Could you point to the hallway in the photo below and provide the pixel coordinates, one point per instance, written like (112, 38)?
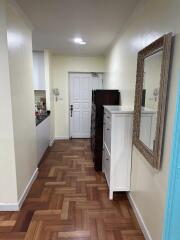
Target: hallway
(69, 200)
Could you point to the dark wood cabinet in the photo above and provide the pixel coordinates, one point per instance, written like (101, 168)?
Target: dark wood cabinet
(100, 98)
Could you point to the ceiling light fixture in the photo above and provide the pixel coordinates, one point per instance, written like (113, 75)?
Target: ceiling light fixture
(79, 41)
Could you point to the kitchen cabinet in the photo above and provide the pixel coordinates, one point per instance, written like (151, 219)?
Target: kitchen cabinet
(38, 70)
(117, 147)
(42, 137)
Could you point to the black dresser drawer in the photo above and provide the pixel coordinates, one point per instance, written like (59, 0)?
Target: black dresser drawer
(100, 98)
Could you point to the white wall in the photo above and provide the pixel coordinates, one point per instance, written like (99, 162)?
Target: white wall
(20, 68)
(8, 192)
(62, 65)
(49, 91)
(17, 123)
(150, 20)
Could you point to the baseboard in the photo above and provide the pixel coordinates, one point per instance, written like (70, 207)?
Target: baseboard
(25, 193)
(44, 156)
(139, 218)
(61, 138)
(9, 207)
(51, 142)
(17, 206)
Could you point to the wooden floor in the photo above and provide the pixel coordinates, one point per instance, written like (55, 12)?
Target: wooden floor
(69, 201)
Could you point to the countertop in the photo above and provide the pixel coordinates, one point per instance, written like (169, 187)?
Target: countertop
(115, 109)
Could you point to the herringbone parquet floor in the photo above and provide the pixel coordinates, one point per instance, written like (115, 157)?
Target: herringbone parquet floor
(69, 201)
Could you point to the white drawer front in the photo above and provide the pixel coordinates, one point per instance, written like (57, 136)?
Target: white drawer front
(121, 154)
(106, 164)
(107, 135)
(103, 159)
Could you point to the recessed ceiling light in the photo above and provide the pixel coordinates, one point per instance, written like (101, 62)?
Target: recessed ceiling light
(79, 41)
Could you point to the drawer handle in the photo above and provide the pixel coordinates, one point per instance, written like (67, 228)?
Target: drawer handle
(108, 117)
(107, 159)
(107, 129)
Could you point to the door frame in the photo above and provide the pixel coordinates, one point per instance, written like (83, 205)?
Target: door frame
(78, 72)
(174, 176)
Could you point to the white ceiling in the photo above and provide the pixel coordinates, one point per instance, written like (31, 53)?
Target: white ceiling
(57, 22)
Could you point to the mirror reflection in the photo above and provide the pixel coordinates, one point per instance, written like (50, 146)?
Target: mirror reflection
(150, 99)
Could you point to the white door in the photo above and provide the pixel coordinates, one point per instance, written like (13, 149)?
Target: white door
(81, 86)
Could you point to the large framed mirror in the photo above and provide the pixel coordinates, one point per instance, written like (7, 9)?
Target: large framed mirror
(150, 98)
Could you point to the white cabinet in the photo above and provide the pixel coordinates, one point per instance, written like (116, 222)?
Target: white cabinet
(43, 137)
(117, 147)
(38, 71)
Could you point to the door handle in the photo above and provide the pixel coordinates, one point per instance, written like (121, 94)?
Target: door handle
(71, 109)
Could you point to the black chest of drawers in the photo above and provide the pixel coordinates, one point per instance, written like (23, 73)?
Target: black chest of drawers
(100, 98)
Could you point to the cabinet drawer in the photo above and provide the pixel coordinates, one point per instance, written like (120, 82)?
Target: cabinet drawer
(107, 116)
(106, 164)
(107, 134)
